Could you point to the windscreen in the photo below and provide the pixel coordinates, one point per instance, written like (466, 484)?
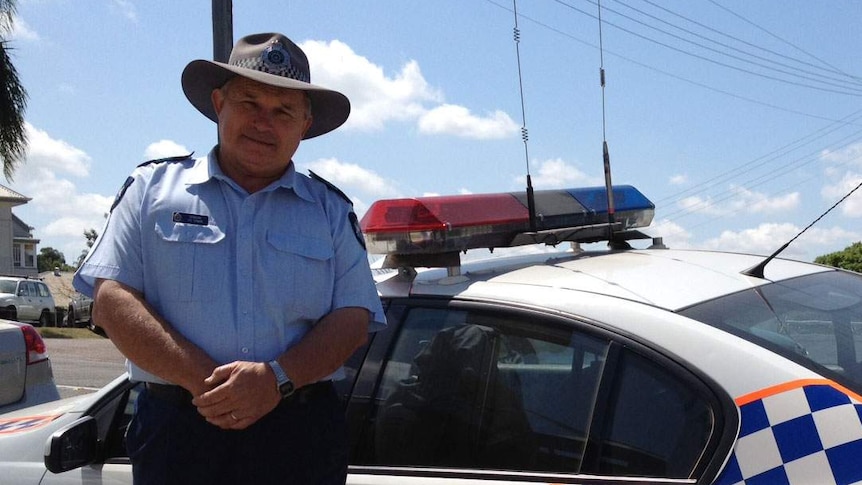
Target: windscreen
(815, 320)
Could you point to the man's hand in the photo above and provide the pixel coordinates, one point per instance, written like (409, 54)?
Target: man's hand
(240, 394)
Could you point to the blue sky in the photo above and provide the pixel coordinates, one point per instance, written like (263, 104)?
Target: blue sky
(739, 119)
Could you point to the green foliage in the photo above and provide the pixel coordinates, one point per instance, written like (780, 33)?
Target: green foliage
(91, 235)
(49, 258)
(13, 99)
(849, 258)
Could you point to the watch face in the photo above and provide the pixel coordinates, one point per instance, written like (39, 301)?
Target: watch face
(286, 389)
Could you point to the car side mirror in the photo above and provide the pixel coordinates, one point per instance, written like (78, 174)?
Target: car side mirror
(72, 446)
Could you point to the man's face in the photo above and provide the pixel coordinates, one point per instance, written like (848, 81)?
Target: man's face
(260, 128)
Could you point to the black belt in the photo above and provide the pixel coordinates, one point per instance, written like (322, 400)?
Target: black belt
(180, 396)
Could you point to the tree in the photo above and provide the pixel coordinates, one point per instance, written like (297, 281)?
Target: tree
(13, 99)
(49, 258)
(848, 258)
(91, 235)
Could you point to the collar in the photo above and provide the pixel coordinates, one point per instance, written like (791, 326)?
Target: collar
(206, 170)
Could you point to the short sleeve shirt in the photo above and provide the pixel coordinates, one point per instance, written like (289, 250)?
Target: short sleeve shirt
(243, 276)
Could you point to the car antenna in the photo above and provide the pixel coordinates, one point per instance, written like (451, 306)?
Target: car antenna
(757, 270)
(531, 200)
(606, 158)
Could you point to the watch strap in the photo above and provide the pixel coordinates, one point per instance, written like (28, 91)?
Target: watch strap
(284, 384)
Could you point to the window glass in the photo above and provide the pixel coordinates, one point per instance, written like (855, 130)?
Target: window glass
(464, 389)
(656, 425)
(43, 290)
(23, 289)
(30, 255)
(814, 319)
(477, 389)
(7, 286)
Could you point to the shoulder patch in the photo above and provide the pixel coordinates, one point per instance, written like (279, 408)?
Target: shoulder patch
(121, 192)
(330, 186)
(357, 229)
(179, 158)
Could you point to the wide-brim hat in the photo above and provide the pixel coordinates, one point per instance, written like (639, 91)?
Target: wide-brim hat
(271, 59)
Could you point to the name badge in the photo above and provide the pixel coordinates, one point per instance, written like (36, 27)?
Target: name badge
(186, 218)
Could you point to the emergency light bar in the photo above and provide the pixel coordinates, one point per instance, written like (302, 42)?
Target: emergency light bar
(452, 224)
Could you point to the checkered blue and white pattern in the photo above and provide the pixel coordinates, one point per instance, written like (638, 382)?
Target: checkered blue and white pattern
(17, 425)
(811, 434)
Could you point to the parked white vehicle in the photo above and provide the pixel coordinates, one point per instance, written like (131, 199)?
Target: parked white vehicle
(26, 377)
(26, 300)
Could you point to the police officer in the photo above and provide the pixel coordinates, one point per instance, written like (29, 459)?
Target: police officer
(236, 287)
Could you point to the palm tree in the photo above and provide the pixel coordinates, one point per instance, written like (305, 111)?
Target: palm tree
(13, 99)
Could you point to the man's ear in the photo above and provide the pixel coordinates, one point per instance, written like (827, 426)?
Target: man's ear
(308, 123)
(217, 98)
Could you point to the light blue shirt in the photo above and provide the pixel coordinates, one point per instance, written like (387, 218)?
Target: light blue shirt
(243, 276)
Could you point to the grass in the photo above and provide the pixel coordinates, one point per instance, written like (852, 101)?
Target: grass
(55, 332)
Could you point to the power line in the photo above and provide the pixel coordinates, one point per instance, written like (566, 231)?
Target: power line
(770, 51)
(779, 38)
(851, 81)
(661, 71)
(708, 59)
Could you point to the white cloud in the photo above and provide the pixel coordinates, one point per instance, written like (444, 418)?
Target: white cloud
(852, 207)
(557, 174)
(767, 238)
(406, 96)
(449, 119)
(164, 149)
(375, 98)
(679, 179)
(673, 235)
(355, 181)
(759, 203)
(126, 9)
(46, 154)
(764, 239)
(58, 211)
(702, 205)
(22, 31)
(740, 199)
(851, 154)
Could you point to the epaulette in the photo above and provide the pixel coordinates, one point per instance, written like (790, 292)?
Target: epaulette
(179, 158)
(330, 186)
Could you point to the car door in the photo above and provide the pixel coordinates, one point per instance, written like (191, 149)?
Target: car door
(26, 293)
(458, 391)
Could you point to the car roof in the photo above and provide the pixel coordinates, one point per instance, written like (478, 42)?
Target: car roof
(665, 278)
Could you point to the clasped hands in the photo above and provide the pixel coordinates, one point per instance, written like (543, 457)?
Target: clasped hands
(239, 394)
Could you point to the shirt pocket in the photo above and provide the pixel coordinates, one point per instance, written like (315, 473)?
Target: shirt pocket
(190, 261)
(304, 265)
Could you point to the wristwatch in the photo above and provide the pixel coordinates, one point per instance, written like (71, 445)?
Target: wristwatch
(285, 385)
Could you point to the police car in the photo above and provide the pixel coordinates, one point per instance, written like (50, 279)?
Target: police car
(622, 365)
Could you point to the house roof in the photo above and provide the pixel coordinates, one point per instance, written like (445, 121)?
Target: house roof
(9, 195)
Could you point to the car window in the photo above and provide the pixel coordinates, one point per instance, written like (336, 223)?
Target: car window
(7, 286)
(473, 389)
(23, 289)
(815, 320)
(655, 425)
(43, 290)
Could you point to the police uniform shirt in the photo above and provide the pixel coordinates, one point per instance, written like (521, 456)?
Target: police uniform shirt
(243, 276)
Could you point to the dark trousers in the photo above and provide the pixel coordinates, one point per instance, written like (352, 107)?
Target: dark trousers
(303, 441)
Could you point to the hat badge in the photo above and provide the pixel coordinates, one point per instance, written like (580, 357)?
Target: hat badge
(276, 59)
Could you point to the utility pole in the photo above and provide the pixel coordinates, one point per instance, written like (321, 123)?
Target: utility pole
(222, 29)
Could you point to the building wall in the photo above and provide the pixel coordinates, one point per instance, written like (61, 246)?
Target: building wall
(6, 241)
